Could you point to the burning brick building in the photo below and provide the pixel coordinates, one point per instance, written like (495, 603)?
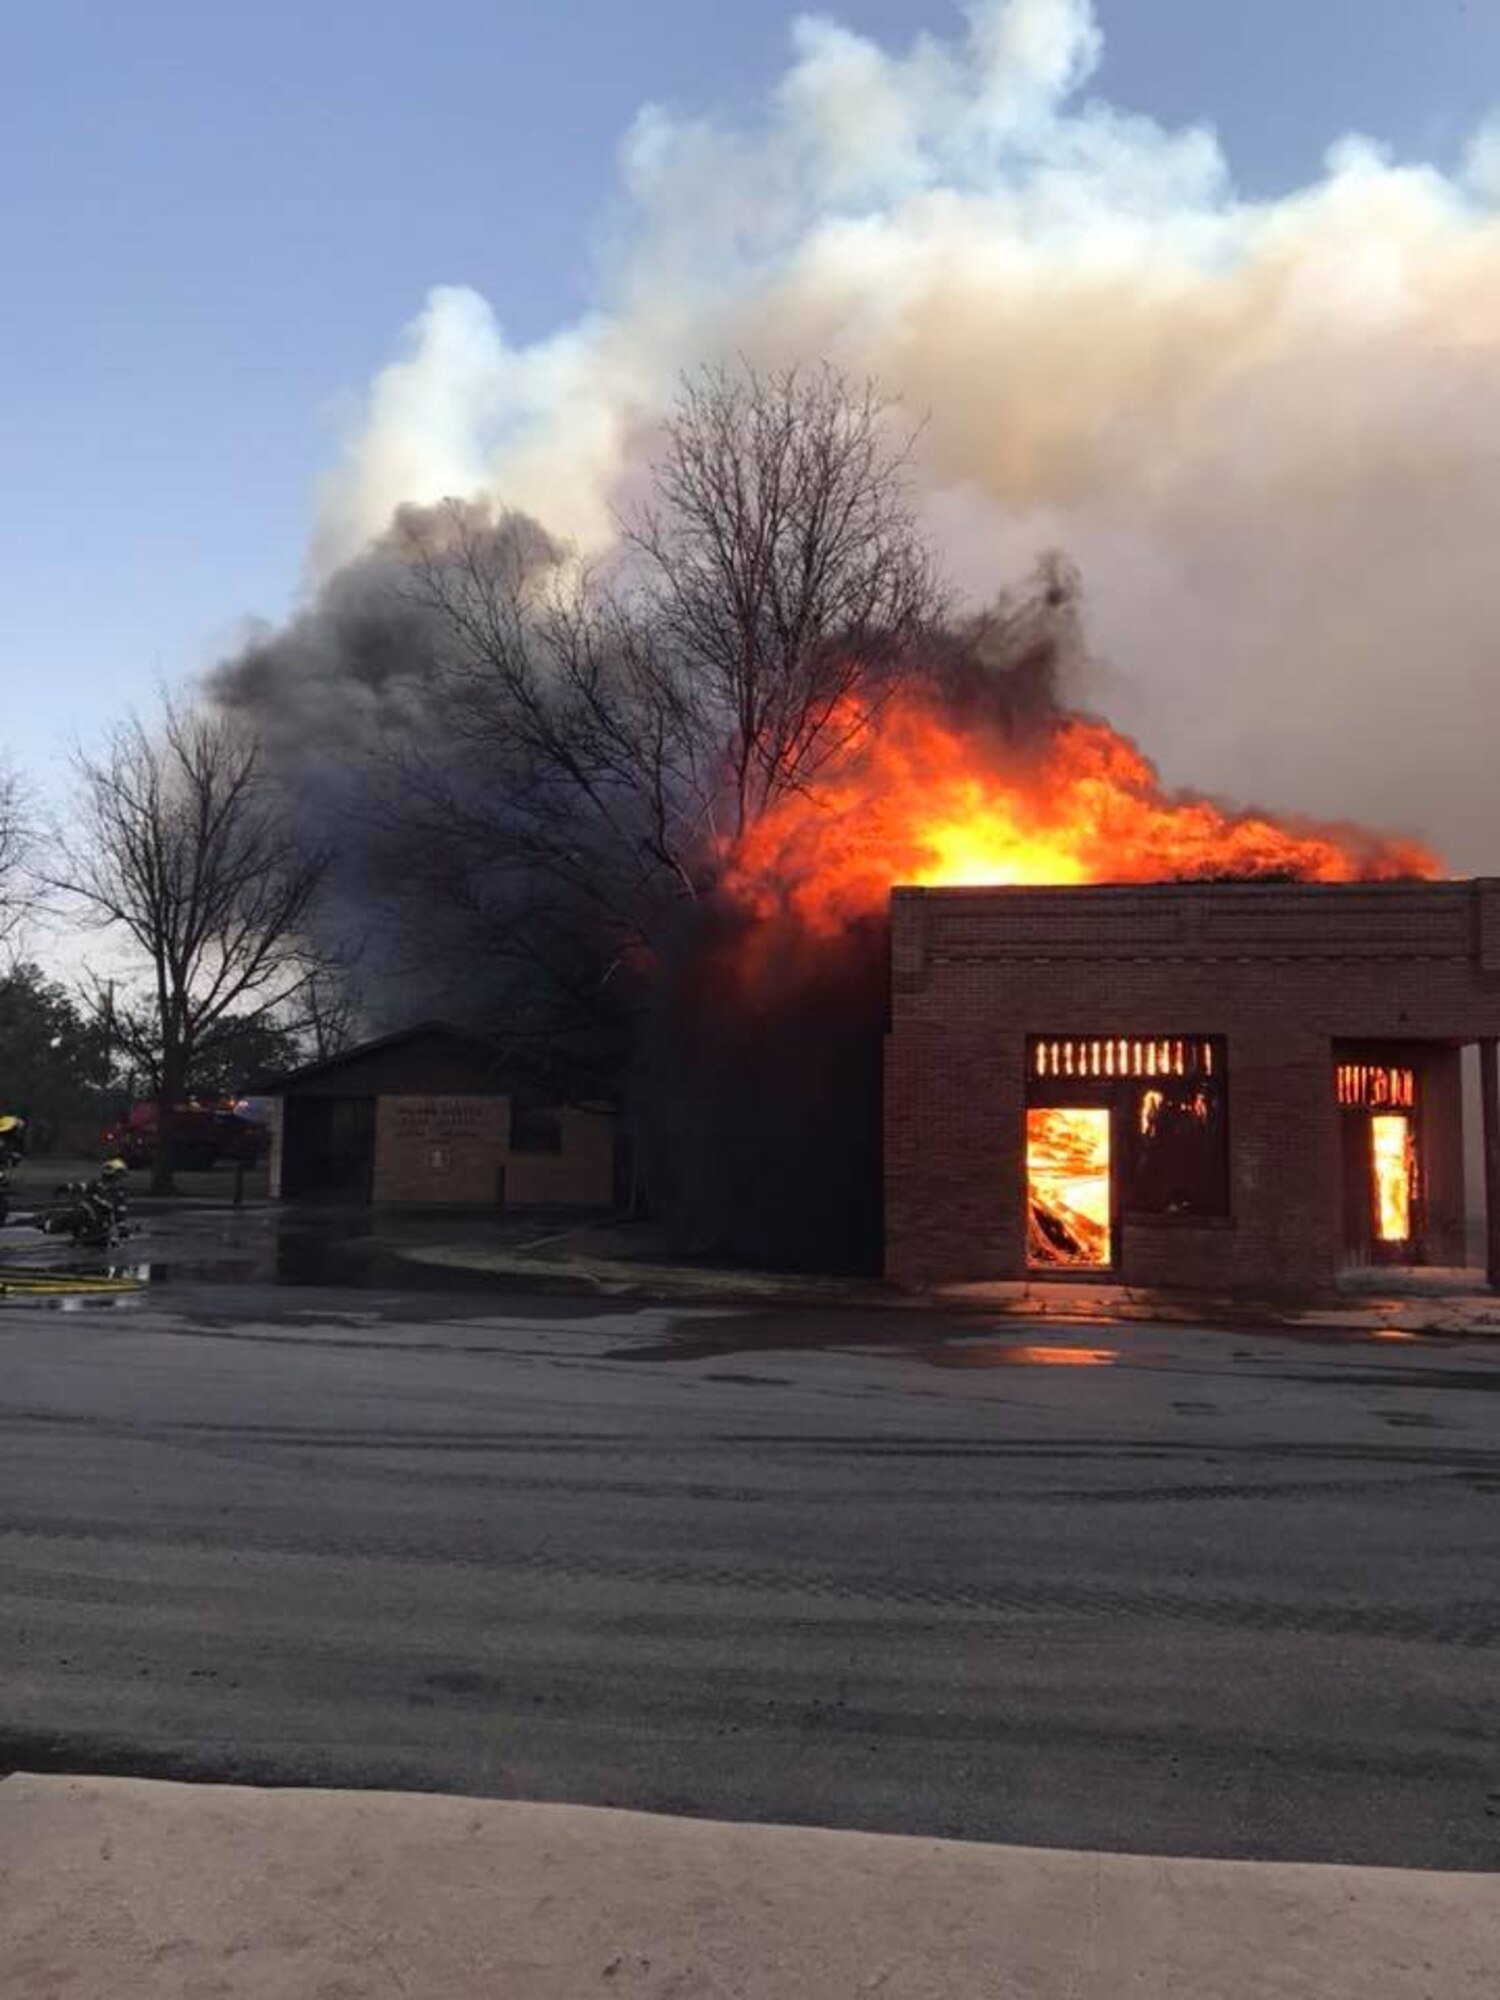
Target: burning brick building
(1220, 1086)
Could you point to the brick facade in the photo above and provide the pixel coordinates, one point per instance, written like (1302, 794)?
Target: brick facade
(457, 1151)
(442, 1150)
(580, 1174)
(1283, 973)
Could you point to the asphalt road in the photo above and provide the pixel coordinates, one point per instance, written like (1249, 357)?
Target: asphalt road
(1216, 1592)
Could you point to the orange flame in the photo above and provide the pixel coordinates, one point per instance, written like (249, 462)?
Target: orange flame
(1068, 1186)
(1375, 1085)
(920, 799)
(1394, 1157)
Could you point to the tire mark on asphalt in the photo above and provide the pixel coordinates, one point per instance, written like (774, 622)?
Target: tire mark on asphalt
(1471, 1623)
(853, 1446)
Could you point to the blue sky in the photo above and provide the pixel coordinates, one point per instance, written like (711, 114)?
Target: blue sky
(216, 222)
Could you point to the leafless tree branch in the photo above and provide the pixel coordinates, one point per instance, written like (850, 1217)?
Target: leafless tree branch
(18, 896)
(782, 569)
(183, 847)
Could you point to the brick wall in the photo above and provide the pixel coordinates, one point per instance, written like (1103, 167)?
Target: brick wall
(1281, 972)
(456, 1150)
(580, 1174)
(440, 1149)
(1437, 1067)
(1441, 1124)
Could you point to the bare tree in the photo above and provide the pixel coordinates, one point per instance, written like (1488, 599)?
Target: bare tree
(328, 1017)
(589, 747)
(783, 571)
(16, 893)
(563, 745)
(183, 847)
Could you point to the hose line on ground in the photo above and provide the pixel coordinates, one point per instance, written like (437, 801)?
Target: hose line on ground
(45, 1283)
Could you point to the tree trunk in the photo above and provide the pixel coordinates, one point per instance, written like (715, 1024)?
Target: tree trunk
(168, 1097)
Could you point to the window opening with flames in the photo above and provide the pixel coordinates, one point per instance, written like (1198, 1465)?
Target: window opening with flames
(1393, 1158)
(1120, 1129)
(1375, 1086)
(1068, 1058)
(1070, 1200)
(1388, 1092)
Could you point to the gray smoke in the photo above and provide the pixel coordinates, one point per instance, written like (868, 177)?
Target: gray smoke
(1264, 429)
(349, 700)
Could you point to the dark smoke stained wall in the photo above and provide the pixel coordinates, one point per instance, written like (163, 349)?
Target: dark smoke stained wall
(1286, 975)
(757, 1092)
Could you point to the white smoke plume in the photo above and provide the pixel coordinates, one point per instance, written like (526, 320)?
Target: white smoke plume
(1266, 430)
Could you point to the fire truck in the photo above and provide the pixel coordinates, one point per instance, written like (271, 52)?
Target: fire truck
(203, 1134)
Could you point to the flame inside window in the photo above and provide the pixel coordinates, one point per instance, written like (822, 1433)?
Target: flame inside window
(1068, 1187)
(1375, 1086)
(1161, 1056)
(1394, 1159)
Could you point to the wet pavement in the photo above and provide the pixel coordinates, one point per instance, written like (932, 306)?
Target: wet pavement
(297, 1511)
(215, 1245)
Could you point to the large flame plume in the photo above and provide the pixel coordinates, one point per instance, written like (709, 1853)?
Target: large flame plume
(923, 797)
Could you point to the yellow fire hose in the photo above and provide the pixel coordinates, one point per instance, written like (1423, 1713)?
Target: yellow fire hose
(17, 1280)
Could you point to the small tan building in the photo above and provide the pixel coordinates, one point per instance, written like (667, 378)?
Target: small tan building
(438, 1117)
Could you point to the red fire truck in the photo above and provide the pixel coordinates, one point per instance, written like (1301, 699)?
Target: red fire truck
(203, 1134)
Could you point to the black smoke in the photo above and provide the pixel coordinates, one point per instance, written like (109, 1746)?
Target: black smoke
(745, 1053)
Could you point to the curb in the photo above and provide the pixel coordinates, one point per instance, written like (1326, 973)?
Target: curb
(1467, 1316)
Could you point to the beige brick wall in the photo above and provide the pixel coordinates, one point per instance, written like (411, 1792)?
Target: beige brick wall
(440, 1149)
(580, 1175)
(456, 1149)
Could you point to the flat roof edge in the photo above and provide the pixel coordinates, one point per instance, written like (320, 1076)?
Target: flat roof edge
(981, 891)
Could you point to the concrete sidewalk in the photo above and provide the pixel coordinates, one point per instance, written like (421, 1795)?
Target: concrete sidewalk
(111, 1889)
